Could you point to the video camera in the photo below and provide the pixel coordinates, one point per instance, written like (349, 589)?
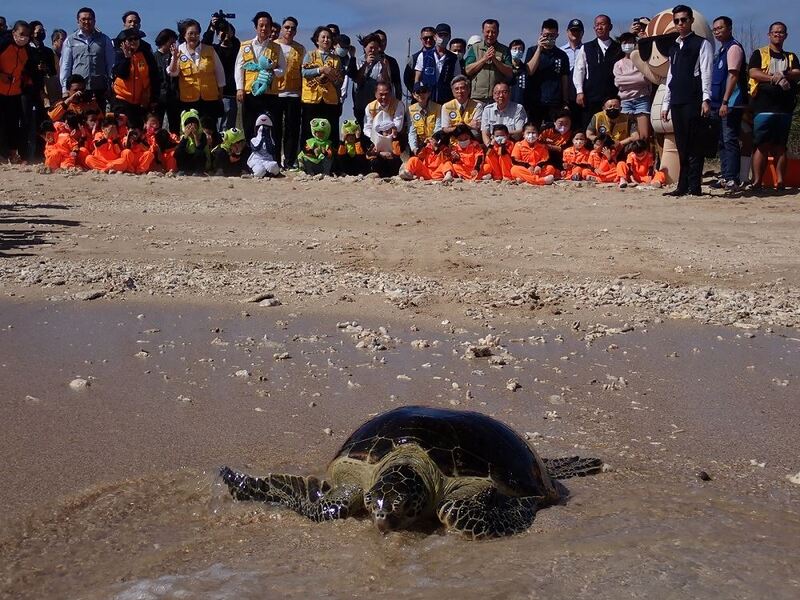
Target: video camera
(222, 19)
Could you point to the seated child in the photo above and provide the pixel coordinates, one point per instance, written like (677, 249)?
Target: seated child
(639, 167)
(602, 161)
(227, 159)
(107, 146)
(557, 138)
(65, 143)
(192, 152)
(262, 149)
(466, 155)
(136, 156)
(498, 163)
(530, 158)
(432, 161)
(316, 157)
(209, 126)
(384, 161)
(350, 158)
(576, 158)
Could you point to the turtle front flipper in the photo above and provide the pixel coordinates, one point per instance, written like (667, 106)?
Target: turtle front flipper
(572, 466)
(307, 496)
(477, 510)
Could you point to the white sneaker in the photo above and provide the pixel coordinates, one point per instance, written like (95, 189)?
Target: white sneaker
(406, 175)
(448, 177)
(655, 184)
(548, 179)
(486, 177)
(623, 184)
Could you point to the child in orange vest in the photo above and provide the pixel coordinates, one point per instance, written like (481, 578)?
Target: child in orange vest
(557, 138)
(432, 161)
(603, 165)
(107, 147)
(576, 158)
(530, 158)
(162, 145)
(466, 155)
(639, 167)
(498, 155)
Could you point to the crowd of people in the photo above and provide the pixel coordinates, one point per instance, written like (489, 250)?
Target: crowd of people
(204, 101)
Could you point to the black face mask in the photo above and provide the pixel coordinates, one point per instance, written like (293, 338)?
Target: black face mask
(612, 113)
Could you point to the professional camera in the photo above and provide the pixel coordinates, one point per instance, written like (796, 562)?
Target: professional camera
(222, 19)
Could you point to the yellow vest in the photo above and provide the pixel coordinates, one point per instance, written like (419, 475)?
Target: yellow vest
(272, 51)
(292, 79)
(424, 124)
(317, 89)
(198, 82)
(456, 115)
(618, 130)
(765, 60)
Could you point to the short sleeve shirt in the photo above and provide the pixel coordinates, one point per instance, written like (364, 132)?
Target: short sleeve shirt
(544, 86)
(769, 97)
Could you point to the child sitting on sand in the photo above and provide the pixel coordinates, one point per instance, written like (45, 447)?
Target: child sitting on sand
(466, 155)
(498, 155)
(639, 167)
(432, 161)
(192, 152)
(576, 158)
(530, 158)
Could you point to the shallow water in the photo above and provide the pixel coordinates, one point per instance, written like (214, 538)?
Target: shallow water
(109, 491)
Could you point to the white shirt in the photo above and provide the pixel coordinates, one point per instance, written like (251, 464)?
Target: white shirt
(513, 117)
(580, 71)
(183, 50)
(703, 68)
(384, 120)
(418, 66)
(258, 50)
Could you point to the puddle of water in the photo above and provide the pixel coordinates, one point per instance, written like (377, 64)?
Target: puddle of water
(109, 490)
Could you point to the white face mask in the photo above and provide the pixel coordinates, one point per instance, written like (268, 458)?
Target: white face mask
(441, 41)
(341, 52)
(578, 143)
(500, 140)
(628, 48)
(531, 137)
(516, 54)
(561, 128)
(463, 143)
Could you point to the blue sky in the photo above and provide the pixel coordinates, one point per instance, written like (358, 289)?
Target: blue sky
(518, 18)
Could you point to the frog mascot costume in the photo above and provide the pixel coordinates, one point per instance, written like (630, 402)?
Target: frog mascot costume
(317, 155)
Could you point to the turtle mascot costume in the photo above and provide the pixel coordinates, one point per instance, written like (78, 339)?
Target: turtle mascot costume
(317, 155)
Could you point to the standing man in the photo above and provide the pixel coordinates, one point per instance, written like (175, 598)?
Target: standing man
(593, 74)
(487, 62)
(688, 98)
(547, 87)
(89, 53)
(287, 118)
(774, 74)
(574, 43)
(132, 20)
(436, 67)
(426, 36)
(251, 52)
(728, 98)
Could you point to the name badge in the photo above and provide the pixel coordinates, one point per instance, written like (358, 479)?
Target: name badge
(453, 114)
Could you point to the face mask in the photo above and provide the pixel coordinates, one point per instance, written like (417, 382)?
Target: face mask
(531, 137)
(561, 128)
(628, 48)
(441, 41)
(500, 140)
(463, 143)
(460, 55)
(578, 143)
(516, 54)
(612, 113)
(341, 52)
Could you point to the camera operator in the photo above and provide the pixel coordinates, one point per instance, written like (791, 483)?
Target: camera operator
(227, 48)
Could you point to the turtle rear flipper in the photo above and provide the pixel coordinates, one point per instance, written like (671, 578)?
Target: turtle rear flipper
(477, 510)
(307, 496)
(572, 466)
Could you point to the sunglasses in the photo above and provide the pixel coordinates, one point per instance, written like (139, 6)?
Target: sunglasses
(679, 20)
(427, 38)
(662, 42)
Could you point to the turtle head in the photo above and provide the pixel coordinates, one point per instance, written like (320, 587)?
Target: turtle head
(398, 497)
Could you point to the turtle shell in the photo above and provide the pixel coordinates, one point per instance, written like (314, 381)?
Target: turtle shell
(460, 443)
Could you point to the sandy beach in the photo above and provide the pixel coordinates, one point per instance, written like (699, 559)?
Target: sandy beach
(257, 323)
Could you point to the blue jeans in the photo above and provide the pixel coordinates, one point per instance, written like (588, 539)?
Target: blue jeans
(230, 110)
(729, 149)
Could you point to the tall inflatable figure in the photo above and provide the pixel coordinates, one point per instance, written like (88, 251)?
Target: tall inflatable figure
(651, 57)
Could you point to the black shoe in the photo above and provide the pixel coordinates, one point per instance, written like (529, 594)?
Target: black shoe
(696, 193)
(676, 193)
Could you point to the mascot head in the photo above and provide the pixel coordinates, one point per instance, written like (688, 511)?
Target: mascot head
(651, 55)
(350, 129)
(321, 129)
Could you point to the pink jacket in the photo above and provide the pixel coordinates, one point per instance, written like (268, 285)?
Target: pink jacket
(629, 80)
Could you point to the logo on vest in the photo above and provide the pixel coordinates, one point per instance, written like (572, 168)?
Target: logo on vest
(247, 49)
(417, 116)
(184, 58)
(602, 129)
(453, 114)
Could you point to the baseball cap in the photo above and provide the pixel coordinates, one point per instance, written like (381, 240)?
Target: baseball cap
(575, 24)
(130, 34)
(443, 28)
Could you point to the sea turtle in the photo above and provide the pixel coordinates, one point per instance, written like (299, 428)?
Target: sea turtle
(415, 464)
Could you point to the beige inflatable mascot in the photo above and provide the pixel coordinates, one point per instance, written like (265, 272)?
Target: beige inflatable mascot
(651, 57)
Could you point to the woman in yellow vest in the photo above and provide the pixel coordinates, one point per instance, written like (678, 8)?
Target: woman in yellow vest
(424, 116)
(199, 71)
(322, 80)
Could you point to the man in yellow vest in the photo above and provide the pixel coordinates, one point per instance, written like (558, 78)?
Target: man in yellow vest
(286, 120)
(424, 117)
(611, 121)
(252, 51)
(462, 108)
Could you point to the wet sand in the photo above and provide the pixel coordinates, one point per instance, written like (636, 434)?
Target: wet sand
(110, 491)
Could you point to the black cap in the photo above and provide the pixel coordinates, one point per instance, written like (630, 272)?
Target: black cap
(130, 34)
(575, 24)
(443, 28)
(420, 88)
(343, 40)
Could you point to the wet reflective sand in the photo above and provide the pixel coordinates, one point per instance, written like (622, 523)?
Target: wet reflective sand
(109, 491)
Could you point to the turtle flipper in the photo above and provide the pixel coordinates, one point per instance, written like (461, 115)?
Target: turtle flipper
(572, 466)
(477, 510)
(308, 496)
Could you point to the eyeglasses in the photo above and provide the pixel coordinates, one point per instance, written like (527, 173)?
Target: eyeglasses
(679, 20)
(427, 38)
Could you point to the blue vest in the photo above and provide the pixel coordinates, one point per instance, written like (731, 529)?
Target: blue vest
(719, 79)
(440, 87)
